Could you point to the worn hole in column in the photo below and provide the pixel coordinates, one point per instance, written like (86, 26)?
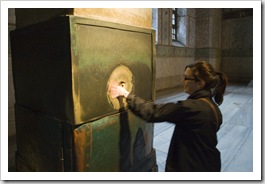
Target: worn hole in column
(122, 76)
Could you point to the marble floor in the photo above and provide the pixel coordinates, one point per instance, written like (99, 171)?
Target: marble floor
(235, 137)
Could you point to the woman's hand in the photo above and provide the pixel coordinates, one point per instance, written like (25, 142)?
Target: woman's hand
(117, 90)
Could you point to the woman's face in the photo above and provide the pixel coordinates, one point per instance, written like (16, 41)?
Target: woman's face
(190, 84)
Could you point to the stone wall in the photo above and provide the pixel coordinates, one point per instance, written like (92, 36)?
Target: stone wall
(170, 64)
(171, 60)
(203, 42)
(208, 36)
(223, 37)
(237, 45)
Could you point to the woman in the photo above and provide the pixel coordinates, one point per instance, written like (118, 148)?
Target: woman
(197, 119)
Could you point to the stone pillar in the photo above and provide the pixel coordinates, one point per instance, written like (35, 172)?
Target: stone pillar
(208, 35)
(237, 44)
(63, 66)
(165, 26)
(191, 19)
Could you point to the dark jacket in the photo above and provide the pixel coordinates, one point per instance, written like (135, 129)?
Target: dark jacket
(194, 140)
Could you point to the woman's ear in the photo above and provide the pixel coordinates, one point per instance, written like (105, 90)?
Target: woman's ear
(201, 84)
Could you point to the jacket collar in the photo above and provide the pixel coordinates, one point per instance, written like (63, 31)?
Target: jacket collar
(201, 94)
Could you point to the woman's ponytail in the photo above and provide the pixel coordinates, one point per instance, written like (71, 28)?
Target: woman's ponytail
(219, 90)
(215, 81)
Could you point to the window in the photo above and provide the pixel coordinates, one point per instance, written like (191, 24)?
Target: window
(179, 26)
(155, 21)
(174, 24)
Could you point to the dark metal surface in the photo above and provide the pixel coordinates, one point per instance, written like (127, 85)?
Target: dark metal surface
(64, 119)
(39, 141)
(70, 63)
(41, 63)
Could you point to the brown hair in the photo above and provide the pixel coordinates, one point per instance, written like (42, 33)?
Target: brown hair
(217, 81)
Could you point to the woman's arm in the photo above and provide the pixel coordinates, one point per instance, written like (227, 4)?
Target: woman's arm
(146, 110)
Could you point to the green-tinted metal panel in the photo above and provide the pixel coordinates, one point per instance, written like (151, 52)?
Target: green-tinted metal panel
(64, 119)
(100, 47)
(61, 67)
(114, 143)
